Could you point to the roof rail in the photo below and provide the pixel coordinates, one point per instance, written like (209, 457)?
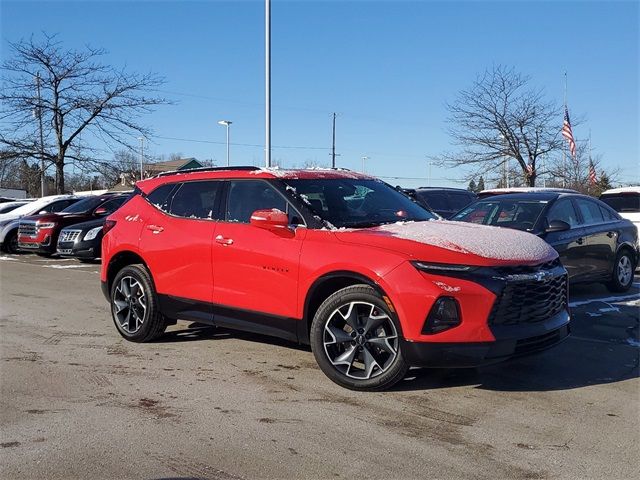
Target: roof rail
(206, 169)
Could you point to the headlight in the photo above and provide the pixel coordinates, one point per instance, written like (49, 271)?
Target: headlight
(93, 233)
(442, 268)
(46, 225)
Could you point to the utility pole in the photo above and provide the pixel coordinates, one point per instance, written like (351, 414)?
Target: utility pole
(39, 113)
(267, 65)
(333, 143)
(430, 163)
(226, 123)
(141, 157)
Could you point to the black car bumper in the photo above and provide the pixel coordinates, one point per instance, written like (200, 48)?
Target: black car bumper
(85, 250)
(36, 247)
(511, 341)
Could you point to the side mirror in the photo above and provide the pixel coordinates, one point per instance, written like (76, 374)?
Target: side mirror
(557, 226)
(272, 219)
(42, 212)
(100, 211)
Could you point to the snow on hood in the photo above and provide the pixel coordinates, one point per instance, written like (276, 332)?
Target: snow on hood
(467, 238)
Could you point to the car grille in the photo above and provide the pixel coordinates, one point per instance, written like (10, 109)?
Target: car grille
(65, 251)
(520, 269)
(530, 301)
(69, 236)
(27, 229)
(539, 342)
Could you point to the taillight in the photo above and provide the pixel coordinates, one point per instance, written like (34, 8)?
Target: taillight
(444, 314)
(108, 225)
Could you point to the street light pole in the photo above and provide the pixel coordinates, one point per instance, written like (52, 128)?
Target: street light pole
(226, 123)
(364, 158)
(267, 78)
(141, 157)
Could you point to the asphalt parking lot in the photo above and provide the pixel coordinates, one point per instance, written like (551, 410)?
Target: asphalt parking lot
(78, 401)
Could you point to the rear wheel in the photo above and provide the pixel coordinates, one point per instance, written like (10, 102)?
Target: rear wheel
(356, 341)
(623, 268)
(134, 305)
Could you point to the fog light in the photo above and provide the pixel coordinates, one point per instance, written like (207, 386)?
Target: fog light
(444, 314)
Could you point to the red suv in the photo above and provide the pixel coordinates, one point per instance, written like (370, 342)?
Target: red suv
(334, 259)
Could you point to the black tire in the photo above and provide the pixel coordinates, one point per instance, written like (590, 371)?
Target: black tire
(153, 323)
(11, 242)
(358, 346)
(623, 271)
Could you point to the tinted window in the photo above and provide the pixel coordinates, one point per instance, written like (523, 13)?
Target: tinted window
(435, 200)
(245, 197)
(347, 202)
(84, 205)
(518, 214)
(563, 210)
(590, 212)
(608, 215)
(625, 202)
(459, 200)
(59, 206)
(160, 196)
(196, 199)
(112, 205)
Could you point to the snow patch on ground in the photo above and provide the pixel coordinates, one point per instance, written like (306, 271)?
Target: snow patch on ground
(484, 241)
(4, 257)
(65, 266)
(635, 296)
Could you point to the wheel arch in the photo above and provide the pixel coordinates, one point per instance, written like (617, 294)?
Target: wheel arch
(628, 247)
(322, 288)
(121, 260)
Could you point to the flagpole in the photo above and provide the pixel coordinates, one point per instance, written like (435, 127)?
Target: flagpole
(564, 160)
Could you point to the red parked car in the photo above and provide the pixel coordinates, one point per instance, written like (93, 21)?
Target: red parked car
(334, 259)
(39, 233)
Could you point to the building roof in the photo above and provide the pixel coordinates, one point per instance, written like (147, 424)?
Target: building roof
(180, 164)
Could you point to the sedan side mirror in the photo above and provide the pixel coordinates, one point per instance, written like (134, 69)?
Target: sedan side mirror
(557, 226)
(271, 219)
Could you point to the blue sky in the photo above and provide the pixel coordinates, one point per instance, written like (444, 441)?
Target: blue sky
(387, 68)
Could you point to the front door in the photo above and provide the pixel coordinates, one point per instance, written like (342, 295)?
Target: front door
(256, 270)
(571, 244)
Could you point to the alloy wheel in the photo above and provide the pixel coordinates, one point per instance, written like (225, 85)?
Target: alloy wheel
(360, 340)
(129, 304)
(624, 270)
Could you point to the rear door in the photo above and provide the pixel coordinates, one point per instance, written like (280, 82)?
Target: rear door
(601, 238)
(177, 239)
(256, 270)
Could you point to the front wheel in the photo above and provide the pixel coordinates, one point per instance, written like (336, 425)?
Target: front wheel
(11, 242)
(623, 268)
(356, 341)
(134, 305)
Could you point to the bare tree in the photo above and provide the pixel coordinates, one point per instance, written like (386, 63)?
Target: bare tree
(499, 118)
(69, 92)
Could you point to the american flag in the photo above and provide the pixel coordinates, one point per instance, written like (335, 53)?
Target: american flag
(529, 169)
(568, 133)
(592, 174)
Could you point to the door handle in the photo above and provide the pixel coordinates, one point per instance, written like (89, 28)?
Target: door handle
(611, 234)
(224, 241)
(580, 241)
(155, 228)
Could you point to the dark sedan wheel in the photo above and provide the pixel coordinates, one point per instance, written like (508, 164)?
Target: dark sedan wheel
(623, 268)
(356, 341)
(11, 242)
(134, 305)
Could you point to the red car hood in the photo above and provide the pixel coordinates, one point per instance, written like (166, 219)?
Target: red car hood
(455, 242)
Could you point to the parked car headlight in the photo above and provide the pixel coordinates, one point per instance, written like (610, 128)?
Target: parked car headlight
(93, 233)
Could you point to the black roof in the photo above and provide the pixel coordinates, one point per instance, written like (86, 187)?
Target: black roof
(541, 196)
(451, 189)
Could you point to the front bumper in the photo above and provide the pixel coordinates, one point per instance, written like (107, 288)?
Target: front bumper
(511, 341)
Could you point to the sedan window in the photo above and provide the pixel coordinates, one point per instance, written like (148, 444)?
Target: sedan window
(563, 210)
(590, 212)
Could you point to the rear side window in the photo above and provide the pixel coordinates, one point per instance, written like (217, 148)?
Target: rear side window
(628, 202)
(563, 210)
(590, 212)
(459, 200)
(59, 206)
(112, 205)
(160, 196)
(197, 200)
(435, 200)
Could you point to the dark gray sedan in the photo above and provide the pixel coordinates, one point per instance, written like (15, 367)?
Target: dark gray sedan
(594, 242)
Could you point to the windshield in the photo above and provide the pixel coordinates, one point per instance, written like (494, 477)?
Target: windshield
(628, 202)
(357, 202)
(30, 207)
(518, 214)
(85, 205)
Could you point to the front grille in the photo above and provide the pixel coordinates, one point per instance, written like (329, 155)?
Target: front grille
(27, 229)
(530, 301)
(539, 342)
(65, 251)
(28, 245)
(69, 236)
(520, 269)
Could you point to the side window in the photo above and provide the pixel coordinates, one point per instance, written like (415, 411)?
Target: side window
(247, 196)
(436, 201)
(608, 215)
(459, 200)
(112, 205)
(58, 206)
(590, 211)
(196, 199)
(160, 196)
(563, 210)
